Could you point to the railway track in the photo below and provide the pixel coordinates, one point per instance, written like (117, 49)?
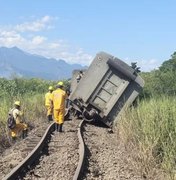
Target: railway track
(12, 156)
(66, 156)
(55, 156)
(18, 170)
(106, 157)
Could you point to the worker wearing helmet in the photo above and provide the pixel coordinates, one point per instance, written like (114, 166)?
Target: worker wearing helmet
(80, 75)
(20, 128)
(58, 100)
(48, 103)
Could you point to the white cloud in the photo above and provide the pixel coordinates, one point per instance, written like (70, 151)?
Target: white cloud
(42, 46)
(58, 49)
(38, 40)
(76, 56)
(148, 65)
(9, 38)
(145, 65)
(62, 51)
(46, 19)
(36, 25)
(54, 45)
(37, 44)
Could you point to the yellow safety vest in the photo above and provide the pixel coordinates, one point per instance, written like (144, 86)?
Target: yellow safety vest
(58, 98)
(18, 115)
(48, 96)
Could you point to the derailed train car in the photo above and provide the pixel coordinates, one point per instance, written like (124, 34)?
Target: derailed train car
(107, 86)
(74, 81)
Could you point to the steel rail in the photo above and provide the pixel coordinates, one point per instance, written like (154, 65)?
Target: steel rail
(20, 168)
(79, 169)
(27, 162)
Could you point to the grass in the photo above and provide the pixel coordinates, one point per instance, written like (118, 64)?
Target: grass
(31, 104)
(31, 94)
(150, 129)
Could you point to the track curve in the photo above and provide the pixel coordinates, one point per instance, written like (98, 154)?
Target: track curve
(79, 169)
(24, 166)
(31, 156)
(98, 155)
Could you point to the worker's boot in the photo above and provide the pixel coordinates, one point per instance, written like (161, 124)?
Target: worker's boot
(56, 127)
(60, 127)
(50, 117)
(24, 134)
(14, 139)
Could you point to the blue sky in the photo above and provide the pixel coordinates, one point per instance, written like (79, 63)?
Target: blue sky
(140, 30)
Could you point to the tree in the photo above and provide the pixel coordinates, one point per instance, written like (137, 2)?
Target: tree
(169, 65)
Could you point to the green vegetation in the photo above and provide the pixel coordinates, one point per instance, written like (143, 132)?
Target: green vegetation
(150, 128)
(31, 94)
(27, 91)
(161, 81)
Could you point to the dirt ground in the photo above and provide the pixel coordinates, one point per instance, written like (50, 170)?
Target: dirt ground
(10, 157)
(60, 158)
(107, 158)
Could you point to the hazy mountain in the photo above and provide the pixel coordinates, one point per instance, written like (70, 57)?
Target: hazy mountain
(14, 61)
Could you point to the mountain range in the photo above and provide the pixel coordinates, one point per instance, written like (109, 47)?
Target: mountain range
(14, 61)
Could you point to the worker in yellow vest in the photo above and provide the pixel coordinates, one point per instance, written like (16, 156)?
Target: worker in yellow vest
(48, 104)
(58, 100)
(20, 127)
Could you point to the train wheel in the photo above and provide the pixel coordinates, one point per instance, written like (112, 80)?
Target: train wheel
(87, 116)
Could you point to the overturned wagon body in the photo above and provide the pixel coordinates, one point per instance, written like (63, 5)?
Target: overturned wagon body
(74, 82)
(106, 88)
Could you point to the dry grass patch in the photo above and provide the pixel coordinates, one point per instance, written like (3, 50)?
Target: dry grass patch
(149, 131)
